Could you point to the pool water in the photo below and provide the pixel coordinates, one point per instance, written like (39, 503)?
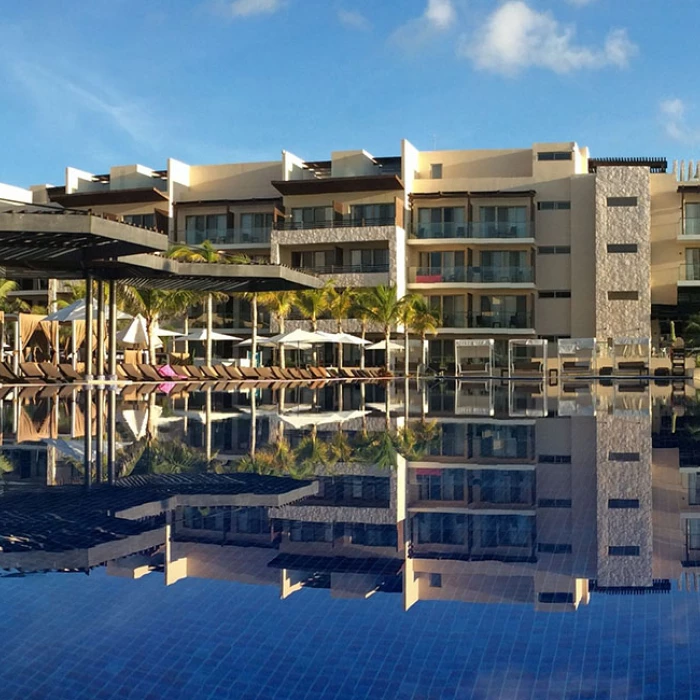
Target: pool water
(404, 540)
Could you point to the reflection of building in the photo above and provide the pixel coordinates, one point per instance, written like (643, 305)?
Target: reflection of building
(539, 510)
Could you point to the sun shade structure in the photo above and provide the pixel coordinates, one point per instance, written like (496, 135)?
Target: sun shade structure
(474, 356)
(137, 332)
(296, 337)
(577, 356)
(381, 345)
(527, 357)
(631, 354)
(77, 311)
(303, 420)
(200, 334)
(343, 338)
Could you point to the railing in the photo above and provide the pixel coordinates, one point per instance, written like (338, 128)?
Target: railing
(229, 237)
(345, 269)
(475, 274)
(344, 222)
(691, 226)
(689, 272)
(488, 320)
(473, 229)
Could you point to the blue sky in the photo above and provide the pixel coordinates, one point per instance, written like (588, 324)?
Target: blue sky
(94, 84)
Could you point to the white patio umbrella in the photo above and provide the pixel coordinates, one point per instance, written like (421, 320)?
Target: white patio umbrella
(200, 334)
(265, 342)
(136, 333)
(77, 312)
(297, 336)
(381, 345)
(302, 420)
(344, 338)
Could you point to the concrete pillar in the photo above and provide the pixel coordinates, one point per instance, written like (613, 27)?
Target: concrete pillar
(87, 437)
(99, 432)
(112, 346)
(111, 435)
(88, 326)
(18, 349)
(100, 330)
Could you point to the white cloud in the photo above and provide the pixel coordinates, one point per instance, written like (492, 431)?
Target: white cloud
(439, 16)
(354, 20)
(516, 37)
(674, 114)
(440, 13)
(78, 104)
(246, 8)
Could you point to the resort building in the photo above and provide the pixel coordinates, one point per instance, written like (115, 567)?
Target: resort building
(540, 242)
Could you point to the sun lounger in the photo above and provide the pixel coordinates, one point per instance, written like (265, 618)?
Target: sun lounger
(248, 373)
(194, 371)
(150, 373)
(52, 372)
(209, 372)
(132, 372)
(234, 372)
(49, 391)
(7, 376)
(32, 371)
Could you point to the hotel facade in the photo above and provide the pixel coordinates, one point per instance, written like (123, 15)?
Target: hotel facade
(541, 242)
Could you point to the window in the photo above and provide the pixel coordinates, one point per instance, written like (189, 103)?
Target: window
(622, 247)
(553, 206)
(554, 503)
(505, 531)
(555, 294)
(556, 598)
(145, 220)
(371, 260)
(503, 222)
(378, 214)
(691, 219)
(441, 222)
(449, 485)
(436, 580)
(622, 201)
(554, 459)
(554, 155)
(624, 551)
(436, 171)
(623, 456)
(255, 227)
(554, 250)
(623, 503)
(312, 217)
(623, 296)
(313, 259)
(549, 548)
(205, 227)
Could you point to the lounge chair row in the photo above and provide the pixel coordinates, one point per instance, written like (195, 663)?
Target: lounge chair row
(47, 373)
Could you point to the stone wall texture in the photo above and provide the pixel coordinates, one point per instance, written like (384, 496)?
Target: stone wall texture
(624, 479)
(623, 271)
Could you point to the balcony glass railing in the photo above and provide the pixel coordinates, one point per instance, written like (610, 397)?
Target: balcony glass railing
(344, 222)
(345, 269)
(475, 274)
(474, 229)
(490, 319)
(229, 236)
(689, 272)
(691, 226)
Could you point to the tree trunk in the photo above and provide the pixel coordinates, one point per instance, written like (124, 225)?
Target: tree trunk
(254, 337)
(314, 351)
(340, 345)
(150, 327)
(387, 351)
(362, 348)
(406, 348)
(210, 324)
(283, 360)
(423, 350)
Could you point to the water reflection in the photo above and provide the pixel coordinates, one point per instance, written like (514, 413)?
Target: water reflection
(489, 492)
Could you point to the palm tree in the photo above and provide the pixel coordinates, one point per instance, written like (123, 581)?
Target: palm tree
(424, 321)
(385, 308)
(204, 253)
(340, 305)
(281, 305)
(360, 311)
(253, 297)
(154, 305)
(312, 303)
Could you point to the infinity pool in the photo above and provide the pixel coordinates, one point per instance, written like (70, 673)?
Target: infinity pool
(431, 540)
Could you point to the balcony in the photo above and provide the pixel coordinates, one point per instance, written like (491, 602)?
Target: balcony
(478, 275)
(344, 222)
(230, 237)
(689, 274)
(690, 229)
(491, 230)
(352, 275)
(489, 321)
